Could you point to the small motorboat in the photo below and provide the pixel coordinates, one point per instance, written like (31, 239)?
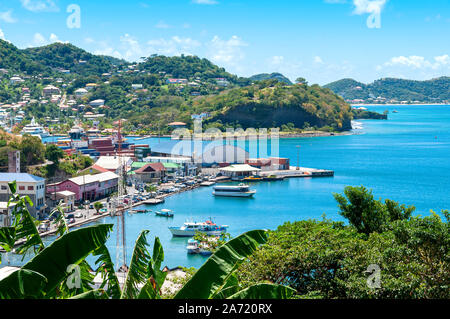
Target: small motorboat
(164, 213)
(253, 178)
(193, 246)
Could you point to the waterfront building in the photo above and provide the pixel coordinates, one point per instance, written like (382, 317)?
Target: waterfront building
(88, 187)
(238, 170)
(5, 214)
(27, 184)
(65, 198)
(269, 164)
(205, 153)
(150, 173)
(112, 163)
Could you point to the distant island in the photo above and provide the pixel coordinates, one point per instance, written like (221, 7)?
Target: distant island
(393, 91)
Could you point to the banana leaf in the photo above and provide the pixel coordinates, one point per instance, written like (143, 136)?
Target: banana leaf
(264, 291)
(138, 270)
(70, 249)
(22, 284)
(216, 271)
(7, 238)
(92, 294)
(106, 268)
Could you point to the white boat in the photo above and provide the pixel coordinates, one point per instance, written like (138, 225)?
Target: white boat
(193, 246)
(190, 228)
(34, 129)
(164, 213)
(241, 190)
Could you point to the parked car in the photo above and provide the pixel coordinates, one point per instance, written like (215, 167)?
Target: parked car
(79, 215)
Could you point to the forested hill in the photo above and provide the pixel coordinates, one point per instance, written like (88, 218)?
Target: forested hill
(17, 61)
(391, 90)
(266, 104)
(273, 76)
(189, 67)
(64, 56)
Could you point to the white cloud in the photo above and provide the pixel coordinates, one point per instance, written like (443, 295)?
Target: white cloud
(174, 46)
(40, 5)
(318, 60)
(205, 2)
(7, 17)
(162, 25)
(2, 35)
(133, 50)
(417, 62)
(40, 40)
(228, 52)
(276, 60)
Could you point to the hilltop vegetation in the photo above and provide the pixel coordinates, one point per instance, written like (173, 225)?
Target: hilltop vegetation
(394, 90)
(273, 104)
(273, 76)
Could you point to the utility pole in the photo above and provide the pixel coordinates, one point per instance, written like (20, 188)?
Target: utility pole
(298, 157)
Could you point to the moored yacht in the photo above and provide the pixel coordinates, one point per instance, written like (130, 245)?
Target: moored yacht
(241, 190)
(34, 129)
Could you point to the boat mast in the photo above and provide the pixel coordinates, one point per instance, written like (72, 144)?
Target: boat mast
(121, 252)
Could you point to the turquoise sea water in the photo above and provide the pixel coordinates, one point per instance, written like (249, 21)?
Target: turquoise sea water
(406, 158)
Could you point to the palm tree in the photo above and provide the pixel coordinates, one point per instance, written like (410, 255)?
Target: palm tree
(47, 274)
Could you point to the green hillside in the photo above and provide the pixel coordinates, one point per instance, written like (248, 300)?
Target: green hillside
(267, 105)
(391, 90)
(66, 56)
(17, 61)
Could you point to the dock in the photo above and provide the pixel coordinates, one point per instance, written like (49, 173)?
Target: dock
(207, 183)
(293, 172)
(151, 201)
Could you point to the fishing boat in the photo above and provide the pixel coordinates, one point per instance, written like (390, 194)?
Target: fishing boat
(190, 228)
(140, 211)
(241, 190)
(164, 213)
(253, 178)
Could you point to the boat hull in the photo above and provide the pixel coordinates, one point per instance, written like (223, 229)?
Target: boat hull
(234, 194)
(190, 233)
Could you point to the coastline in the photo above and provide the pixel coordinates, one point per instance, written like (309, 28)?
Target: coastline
(414, 104)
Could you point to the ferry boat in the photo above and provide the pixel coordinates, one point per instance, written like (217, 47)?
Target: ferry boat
(190, 228)
(241, 190)
(34, 129)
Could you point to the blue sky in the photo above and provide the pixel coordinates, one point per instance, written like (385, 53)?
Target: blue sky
(321, 40)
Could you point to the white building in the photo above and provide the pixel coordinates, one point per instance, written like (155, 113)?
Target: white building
(80, 93)
(97, 103)
(27, 184)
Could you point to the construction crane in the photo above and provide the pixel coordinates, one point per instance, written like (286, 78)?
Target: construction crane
(119, 209)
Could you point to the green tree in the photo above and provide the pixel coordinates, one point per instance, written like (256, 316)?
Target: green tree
(98, 206)
(365, 213)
